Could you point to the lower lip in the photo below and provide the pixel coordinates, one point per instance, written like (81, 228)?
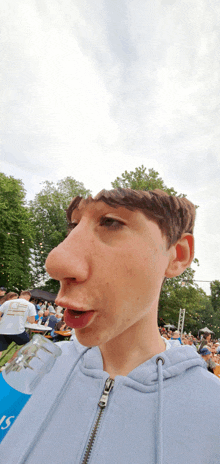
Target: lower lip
(77, 322)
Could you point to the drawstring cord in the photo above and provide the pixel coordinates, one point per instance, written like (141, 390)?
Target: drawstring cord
(53, 407)
(160, 361)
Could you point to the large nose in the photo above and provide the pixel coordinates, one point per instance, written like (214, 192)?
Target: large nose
(71, 258)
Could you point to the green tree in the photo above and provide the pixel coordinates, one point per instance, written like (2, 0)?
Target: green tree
(141, 180)
(215, 294)
(198, 308)
(16, 235)
(48, 218)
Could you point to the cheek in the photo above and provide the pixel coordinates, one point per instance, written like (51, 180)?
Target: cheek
(143, 267)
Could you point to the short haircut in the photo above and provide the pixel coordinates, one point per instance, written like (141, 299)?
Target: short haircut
(25, 292)
(174, 215)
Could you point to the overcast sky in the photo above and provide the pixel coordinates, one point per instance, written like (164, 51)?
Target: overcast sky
(91, 89)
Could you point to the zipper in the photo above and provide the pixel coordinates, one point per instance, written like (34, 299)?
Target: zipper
(102, 404)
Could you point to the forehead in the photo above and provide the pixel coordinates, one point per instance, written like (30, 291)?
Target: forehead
(93, 208)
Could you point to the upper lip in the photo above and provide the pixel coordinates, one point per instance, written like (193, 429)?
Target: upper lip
(64, 304)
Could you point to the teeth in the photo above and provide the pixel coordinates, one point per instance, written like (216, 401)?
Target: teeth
(76, 317)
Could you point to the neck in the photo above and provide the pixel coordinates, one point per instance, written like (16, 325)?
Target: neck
(133, 347)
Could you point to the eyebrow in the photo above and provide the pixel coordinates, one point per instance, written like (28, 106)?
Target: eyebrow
(79, 212)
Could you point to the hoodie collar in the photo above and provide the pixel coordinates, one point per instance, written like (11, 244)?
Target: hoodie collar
(176, 361)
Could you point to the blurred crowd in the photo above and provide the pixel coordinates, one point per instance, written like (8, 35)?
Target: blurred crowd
(47, 313)
(205, 345)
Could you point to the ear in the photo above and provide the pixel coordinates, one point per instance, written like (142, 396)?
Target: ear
(181, 255)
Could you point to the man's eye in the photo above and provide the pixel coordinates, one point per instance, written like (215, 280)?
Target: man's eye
(111, 223)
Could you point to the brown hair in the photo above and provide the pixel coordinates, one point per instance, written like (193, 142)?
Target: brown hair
(58, 325)
(25, 292)
(8, 296)
(174, 215)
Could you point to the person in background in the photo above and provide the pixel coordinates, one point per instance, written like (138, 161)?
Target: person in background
(3, 291)
(44, 306)
(212, 361)
(217, 348)
(12, 325)
(50, 307)
(59, 316)
(39, 305)
(60, 326)
(59, 309)
(40, 317)
(206, 355)
(206, 339)
(176, 338)
(9, 296)
(191, 343)
(45, 316)
(51, 320)
(165, 334)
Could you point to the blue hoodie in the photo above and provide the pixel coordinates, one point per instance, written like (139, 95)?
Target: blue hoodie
(166, 411)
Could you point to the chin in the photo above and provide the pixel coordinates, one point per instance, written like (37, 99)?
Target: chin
(87, 338)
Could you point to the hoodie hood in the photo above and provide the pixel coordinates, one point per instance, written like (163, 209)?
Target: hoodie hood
(176, 360)
(85, 375)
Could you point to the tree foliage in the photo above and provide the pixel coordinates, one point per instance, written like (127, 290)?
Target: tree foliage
(215, 294)
(16, 235)
(141, 180)
(48, 217)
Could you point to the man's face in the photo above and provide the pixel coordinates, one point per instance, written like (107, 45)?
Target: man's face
(2, 292)
(113, 262)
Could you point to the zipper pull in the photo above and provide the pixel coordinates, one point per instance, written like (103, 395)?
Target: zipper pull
(107, 388)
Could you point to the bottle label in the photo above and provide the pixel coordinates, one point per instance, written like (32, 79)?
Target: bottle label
(11, 403)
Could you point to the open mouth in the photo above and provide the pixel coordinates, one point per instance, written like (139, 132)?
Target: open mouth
(77, 319)
(77, 313)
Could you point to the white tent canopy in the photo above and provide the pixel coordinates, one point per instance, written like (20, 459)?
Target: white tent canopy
(206, 330)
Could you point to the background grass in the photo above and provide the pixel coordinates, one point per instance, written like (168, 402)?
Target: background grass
(7, 354)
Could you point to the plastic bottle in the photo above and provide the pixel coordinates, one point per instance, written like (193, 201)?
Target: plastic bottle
(22, 375)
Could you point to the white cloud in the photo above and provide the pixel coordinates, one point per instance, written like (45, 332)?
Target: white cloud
(92, 90)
